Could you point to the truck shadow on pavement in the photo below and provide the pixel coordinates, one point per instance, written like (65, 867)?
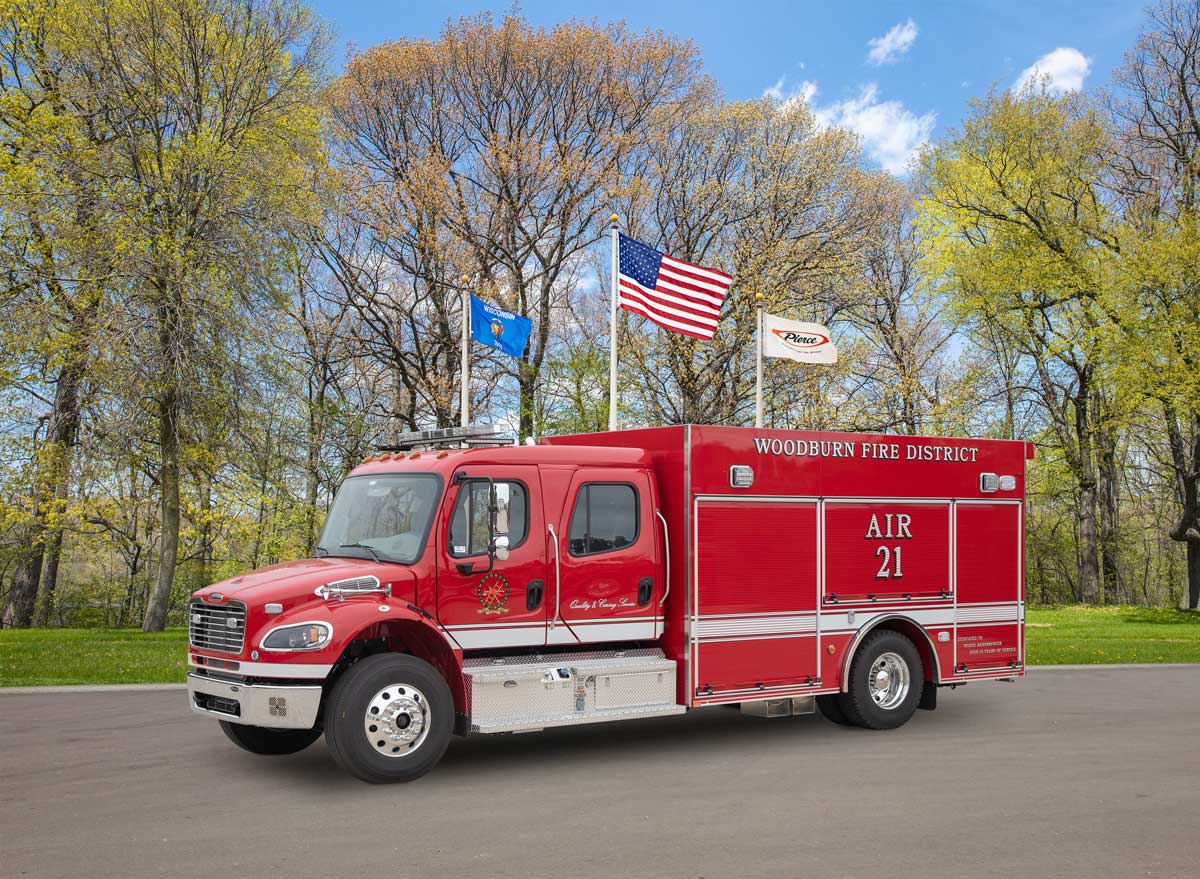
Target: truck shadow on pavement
(702, 734)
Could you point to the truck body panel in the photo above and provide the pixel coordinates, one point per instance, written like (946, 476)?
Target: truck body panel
(838, 533)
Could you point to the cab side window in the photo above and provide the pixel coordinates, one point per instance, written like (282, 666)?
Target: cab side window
(469, 524)
(605, 518)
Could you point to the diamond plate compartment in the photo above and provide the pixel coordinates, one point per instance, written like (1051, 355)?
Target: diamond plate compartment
(534, 692)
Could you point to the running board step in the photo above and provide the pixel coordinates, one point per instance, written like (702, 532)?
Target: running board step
(521, 694)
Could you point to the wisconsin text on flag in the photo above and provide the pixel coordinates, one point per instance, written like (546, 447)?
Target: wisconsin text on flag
(678, 296)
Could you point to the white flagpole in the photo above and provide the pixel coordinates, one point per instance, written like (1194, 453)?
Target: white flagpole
(612, 335)
(466, 352)
(758, 368)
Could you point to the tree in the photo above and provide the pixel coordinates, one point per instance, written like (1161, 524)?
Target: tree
(757, 188)
(58, 249)
(904, 377)
(1156, 162)
(495, 152)
(1020, 230)
(211, 105)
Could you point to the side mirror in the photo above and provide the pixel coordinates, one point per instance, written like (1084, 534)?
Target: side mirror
(498, 500)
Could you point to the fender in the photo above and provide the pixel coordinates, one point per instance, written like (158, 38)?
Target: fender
(404, 627)
(890, 622)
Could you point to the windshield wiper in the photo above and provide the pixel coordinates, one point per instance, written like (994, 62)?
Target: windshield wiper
(372, 550)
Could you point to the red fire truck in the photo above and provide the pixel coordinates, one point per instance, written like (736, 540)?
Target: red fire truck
(629, 574)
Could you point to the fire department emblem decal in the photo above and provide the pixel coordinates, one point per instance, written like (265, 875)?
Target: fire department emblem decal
(493, 594)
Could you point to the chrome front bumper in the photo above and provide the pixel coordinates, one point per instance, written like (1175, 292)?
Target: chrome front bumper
(278, 707)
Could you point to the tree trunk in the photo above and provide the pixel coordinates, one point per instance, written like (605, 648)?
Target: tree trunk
(206, 536)
(1109, 500)
(51, 487)
(168, 434)
(1193, 574)
(1085, 475)
(45, 604)
(1186, 463)
(18, 610)
(312, 477)
(528, 384)
(1087, 588)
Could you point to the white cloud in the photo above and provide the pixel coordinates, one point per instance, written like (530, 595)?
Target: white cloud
(805, 91)
(891, 134)
(1062, 70)
(888, 48)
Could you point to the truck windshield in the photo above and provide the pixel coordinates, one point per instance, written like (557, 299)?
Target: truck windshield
(383, 517)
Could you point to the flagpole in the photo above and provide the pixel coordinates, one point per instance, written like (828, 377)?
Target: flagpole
(758, 367)
(612, 334)
(465, 369)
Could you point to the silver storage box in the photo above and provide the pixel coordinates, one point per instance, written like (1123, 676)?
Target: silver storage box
(528, 693)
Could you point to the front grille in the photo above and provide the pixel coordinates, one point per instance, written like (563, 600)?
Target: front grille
(217, 627)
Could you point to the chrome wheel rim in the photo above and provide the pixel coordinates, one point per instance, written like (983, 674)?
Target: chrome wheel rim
(888, 680)
(397, 720)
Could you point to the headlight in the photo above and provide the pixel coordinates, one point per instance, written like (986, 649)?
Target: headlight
(305, 636)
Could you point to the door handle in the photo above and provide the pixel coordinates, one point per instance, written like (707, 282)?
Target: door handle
(557, 575)
(533, 594)
(645, 589)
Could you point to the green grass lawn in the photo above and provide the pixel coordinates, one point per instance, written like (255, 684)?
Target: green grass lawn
(1054, 635)
(46, 657)
(1079, 635)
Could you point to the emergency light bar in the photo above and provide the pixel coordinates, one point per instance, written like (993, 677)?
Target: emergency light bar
(449, 437)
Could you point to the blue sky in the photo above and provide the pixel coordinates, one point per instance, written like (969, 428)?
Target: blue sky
(896, 72)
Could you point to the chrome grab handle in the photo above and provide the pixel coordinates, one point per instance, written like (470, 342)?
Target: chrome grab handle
(666, 557)
(557, 575)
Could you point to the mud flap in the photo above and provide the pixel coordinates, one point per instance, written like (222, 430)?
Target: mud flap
(928, 696)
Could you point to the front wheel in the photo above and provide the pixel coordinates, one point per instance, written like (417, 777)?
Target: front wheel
(886, 677)
(274, 742)
(389, 718)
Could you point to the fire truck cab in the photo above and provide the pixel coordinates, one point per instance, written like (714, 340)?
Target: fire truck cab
(498, 588)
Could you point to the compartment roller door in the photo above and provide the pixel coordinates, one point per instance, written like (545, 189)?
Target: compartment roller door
(754, 626)
(990, 607)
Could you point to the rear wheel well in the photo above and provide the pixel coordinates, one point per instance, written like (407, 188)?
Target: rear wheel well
(411, 637)
(909, 630)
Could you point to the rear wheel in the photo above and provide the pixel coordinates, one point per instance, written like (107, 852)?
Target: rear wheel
(260, 740)
(389, 718)
(886, 677)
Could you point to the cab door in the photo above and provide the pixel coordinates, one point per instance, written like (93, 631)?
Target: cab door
(609, 578)
(492, 603)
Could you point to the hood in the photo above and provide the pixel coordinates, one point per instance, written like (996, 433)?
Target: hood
(292, 583)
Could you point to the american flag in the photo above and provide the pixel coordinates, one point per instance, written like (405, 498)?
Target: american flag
(678, 296)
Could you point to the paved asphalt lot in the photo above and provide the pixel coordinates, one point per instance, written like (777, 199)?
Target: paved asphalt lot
(1064, 773)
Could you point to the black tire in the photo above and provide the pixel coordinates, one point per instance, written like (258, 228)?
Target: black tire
(384, 760)
(858, 705)
(830, 705)
(273, 742)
